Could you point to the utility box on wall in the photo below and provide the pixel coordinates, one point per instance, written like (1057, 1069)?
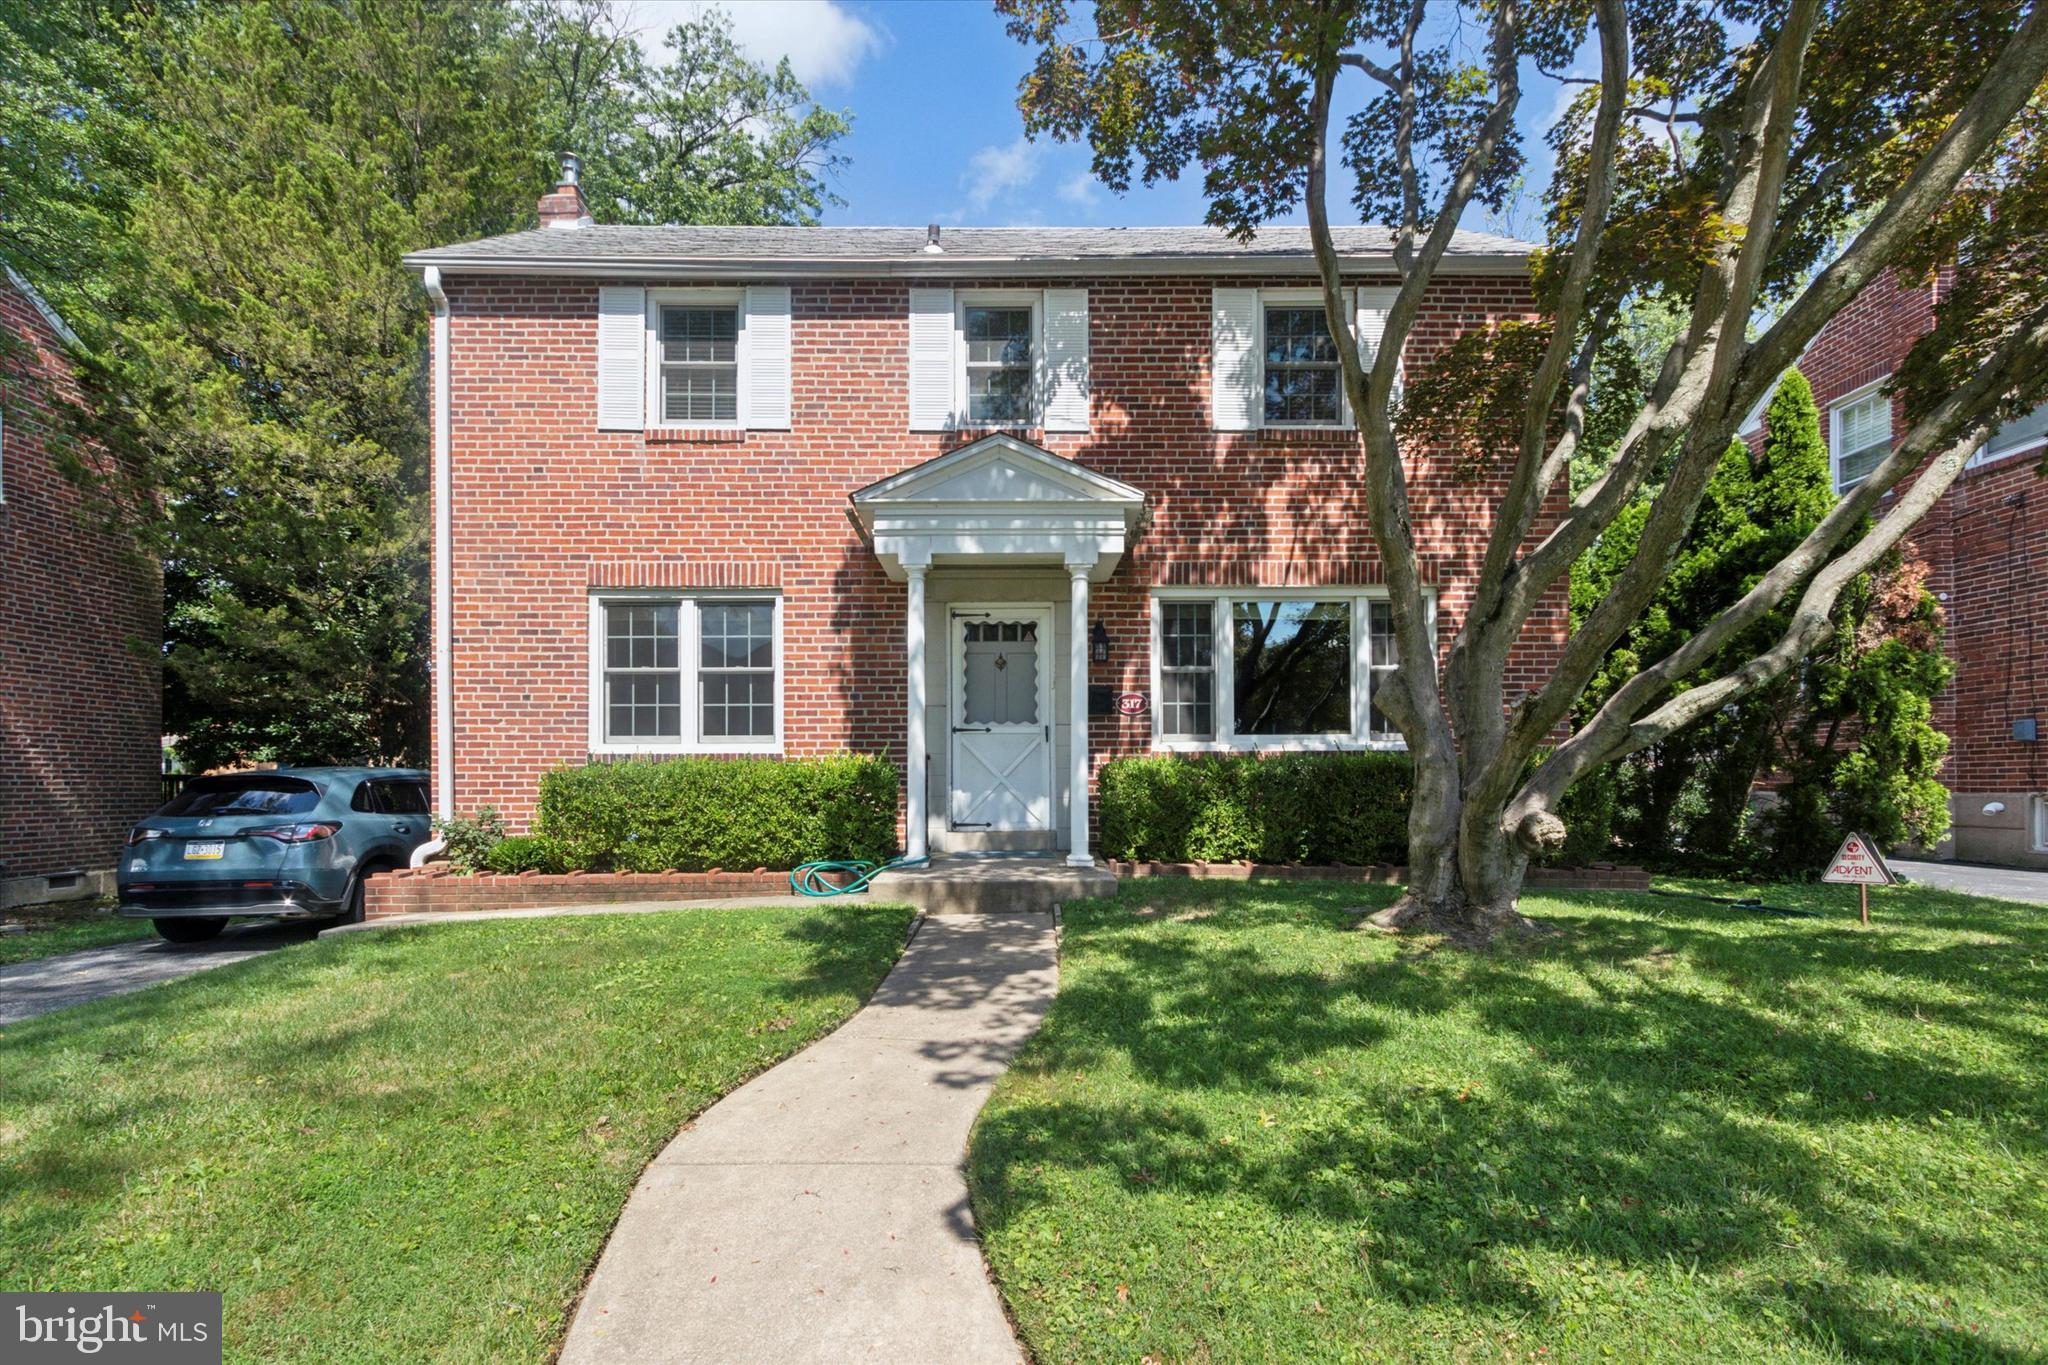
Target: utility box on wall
(2026, 729)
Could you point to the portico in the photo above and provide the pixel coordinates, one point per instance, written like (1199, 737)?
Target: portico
(997, 544)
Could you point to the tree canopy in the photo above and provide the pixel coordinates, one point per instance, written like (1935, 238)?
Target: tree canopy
(1750, 167)
(218, 198)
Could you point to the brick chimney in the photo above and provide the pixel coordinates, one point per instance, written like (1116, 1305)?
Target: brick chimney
(563, 206)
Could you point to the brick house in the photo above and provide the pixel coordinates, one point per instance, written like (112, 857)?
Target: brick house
(999, 504)
(1986, 545)
(80, 624)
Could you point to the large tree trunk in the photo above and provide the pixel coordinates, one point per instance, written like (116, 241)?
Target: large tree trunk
(1465, 868)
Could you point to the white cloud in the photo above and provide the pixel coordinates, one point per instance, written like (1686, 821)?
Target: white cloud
(824, 40)
(1078, 188)
(996, 172)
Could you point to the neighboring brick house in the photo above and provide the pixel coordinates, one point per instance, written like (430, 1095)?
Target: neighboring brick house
(80, 627)
(1986, 545)
(947, 497)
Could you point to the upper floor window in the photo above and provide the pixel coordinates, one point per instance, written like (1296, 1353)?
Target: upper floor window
(1860, 434)
(997, 343)
(699, 360)
(1302, 382)
(1263, 669)
(2016, 437)
(685, 674)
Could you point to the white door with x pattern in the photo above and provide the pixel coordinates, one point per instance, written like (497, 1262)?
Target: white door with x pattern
(1001, 718)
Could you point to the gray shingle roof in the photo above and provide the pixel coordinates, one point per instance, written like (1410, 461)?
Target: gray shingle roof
(901, 250)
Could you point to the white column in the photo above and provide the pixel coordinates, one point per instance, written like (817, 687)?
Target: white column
(914, 776)
(1077, 703)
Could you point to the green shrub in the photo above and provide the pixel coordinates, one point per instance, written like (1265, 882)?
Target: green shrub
(524, 853)
(1282, 808)
(694, 814)
(470, 839)
(1588, 810)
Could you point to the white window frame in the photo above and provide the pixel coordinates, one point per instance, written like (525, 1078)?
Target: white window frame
(1982, 456)
(735, 299)
(1224, 690)
(1034, 299)
(687, 653)
(1296, 298)
(2037, 812)
(1835, 410)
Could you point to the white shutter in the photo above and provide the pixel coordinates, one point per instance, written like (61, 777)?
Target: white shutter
(764, 377)
(1373, 308)
(1065, 384)
(931, 359)
(621, 357)
(1236, 395)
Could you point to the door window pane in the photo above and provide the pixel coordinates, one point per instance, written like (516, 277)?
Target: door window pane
(1001, 659)
(1291, 667)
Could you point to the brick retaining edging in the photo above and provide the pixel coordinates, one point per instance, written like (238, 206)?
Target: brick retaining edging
(1543, 878)
(436, 890)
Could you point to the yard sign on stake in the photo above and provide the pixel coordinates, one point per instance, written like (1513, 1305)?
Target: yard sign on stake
(1858, 863)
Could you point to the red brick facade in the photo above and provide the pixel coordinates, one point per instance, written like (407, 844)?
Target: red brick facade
(1986, 543)
(545, 506)
(80, 625)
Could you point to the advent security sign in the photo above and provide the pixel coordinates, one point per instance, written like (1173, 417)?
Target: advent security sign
(119, 1329)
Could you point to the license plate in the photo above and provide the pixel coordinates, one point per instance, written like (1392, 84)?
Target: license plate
(212, 850)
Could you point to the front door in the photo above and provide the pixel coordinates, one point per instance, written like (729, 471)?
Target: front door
(1002, 718)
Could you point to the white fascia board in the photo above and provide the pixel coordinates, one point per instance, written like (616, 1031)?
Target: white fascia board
(1509, 264)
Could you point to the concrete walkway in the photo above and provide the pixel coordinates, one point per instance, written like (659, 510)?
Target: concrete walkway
(819, 1212)
(2007, 883)
(43, 984)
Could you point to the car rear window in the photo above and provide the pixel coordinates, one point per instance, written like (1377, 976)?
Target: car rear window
(262, 795)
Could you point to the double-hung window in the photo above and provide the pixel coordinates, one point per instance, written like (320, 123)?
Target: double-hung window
(2022, 434)
(699, 369)
(1303, 384)
(1860, 435)
(673, 674)
(1263, 668)
(999, 340)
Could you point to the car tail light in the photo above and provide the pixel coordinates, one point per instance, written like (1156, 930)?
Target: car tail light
(301, 833)
(136, 836)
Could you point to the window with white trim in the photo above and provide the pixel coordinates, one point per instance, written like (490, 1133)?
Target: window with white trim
(685, 674)
(996, 370)
(2039, 812)
(2017, 437)
(1859, 434)
(696, 357)
(1271, 668)
(1303, 387)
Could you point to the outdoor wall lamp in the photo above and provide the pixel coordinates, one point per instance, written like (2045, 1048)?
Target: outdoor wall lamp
(1098, 644)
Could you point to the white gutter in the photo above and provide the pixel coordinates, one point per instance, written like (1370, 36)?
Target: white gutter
(942, 267)
(444, 593)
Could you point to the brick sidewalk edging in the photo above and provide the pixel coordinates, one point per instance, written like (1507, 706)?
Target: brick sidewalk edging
(1599, 878)
(436, 890)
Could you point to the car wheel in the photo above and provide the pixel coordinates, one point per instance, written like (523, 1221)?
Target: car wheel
(352, 904)
(191, 928)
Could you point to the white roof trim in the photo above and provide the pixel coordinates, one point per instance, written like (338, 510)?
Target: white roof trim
(41, 305)
(949, 266)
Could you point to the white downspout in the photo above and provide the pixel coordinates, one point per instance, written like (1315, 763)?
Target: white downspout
(444, 593)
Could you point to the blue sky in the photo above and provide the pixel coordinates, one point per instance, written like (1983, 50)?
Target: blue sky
(936, 136)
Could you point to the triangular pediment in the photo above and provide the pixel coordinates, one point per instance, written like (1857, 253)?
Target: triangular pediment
(998, 469)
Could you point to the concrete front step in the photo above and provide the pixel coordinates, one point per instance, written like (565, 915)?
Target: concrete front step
(967, 884)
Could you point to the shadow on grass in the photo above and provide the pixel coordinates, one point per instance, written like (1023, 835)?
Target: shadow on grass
(1653, 1084)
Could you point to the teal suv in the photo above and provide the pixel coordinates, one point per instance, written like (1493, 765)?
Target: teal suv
(296, 843)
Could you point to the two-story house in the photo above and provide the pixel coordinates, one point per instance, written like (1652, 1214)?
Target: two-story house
(1986, 545)
(999, 504)
(81, 621)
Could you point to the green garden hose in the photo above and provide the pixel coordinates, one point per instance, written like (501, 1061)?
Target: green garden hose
(814, 879)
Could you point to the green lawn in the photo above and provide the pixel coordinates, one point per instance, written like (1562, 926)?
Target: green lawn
(61, 929)
(402, 1145)
(1672, 1130)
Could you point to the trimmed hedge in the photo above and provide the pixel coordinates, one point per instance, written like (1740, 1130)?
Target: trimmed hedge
(1280, 808)
(694, 814)
(524, 853)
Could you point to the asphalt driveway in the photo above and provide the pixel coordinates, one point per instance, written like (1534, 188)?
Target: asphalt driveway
(52, 983)
(2007, 883)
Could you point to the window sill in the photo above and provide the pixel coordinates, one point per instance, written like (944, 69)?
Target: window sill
(685, 750)
(690, 436)
(1282, 436)
(1279, 745)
